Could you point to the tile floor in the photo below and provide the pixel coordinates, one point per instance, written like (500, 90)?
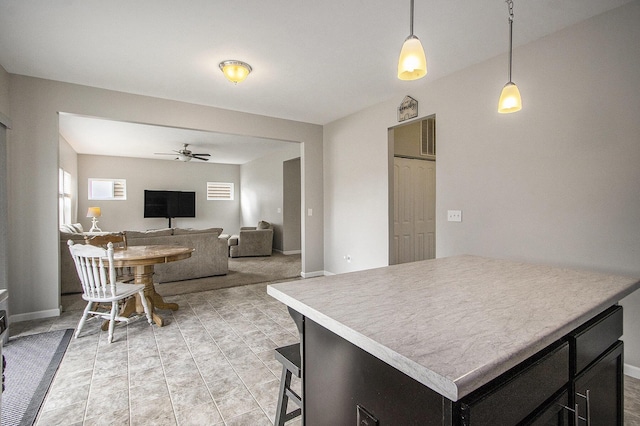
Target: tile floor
(212, 364)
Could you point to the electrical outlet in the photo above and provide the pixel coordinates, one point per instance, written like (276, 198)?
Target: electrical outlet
(454, 215)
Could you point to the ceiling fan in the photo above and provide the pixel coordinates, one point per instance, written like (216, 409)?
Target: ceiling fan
(185, 154)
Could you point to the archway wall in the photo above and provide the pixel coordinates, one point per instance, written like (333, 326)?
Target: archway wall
(34, 105)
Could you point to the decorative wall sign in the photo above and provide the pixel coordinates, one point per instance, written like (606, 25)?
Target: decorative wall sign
(407, 109)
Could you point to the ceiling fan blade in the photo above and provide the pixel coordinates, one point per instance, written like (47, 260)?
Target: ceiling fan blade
(164, 153)
(198, 158)
(202, 155)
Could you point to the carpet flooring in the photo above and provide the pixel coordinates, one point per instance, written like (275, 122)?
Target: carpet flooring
(32, 362)
(242, 271)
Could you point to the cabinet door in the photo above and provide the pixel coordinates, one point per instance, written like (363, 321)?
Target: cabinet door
(553, 414)
(602, 383)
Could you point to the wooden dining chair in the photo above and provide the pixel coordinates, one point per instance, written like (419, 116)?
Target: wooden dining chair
(119, 240)
(98, 277)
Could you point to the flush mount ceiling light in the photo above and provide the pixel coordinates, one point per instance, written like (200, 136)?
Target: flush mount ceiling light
(510, 100)
(235, 71)
(412, 63)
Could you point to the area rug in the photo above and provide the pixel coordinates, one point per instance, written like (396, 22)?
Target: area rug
(32, 361)
(242, 271)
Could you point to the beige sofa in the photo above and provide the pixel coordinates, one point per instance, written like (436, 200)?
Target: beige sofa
(209, 258)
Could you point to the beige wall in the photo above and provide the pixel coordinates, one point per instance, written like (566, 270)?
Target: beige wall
(4, 222)
(262, 193)
(556, 183)
(33, 153)
(4, 92)
(291, 210)
(141, 174)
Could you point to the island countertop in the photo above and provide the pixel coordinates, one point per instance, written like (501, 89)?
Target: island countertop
(453, 324)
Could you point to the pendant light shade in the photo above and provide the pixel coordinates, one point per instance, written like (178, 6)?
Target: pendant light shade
(412, 63)
(235, 71)
(510, 100)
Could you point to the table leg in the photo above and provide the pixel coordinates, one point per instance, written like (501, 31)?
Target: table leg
(159, 302)
(144, 275)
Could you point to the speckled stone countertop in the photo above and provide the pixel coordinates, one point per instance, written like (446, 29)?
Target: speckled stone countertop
(453, 324)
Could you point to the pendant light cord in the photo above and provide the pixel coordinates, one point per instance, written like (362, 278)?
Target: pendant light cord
(411, 23)
(510, 5)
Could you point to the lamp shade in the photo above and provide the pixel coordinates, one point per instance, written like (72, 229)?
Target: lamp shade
(93, 212)
(510, 100)
(235, 71)
(412, 63)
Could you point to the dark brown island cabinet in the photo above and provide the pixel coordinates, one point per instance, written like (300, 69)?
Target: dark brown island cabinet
(460, 341)
(577, 380)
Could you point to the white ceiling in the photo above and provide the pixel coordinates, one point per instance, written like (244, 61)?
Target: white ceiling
(96, 136)
(313, 61)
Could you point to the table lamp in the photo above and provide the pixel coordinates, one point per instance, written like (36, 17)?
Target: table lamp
(93, 213)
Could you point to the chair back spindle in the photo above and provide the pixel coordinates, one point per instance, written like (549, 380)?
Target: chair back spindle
(98, 277)
(119, 240)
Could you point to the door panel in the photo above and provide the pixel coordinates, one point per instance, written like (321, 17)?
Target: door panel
(414, 209)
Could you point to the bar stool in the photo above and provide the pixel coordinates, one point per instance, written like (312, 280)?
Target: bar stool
(289, 357)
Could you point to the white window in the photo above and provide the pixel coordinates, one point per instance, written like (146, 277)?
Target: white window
(107, 189)
(219, 191)
(64, 197)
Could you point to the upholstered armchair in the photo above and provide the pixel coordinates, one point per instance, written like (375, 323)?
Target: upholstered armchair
(252, 241)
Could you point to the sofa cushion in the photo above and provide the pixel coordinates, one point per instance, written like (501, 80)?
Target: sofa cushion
(151, 233)
(186, 231)
(263, 225)
(233, 240)
(67, 229)
(72, 228)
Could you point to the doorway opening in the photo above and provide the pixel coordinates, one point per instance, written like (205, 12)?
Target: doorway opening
(412, 191)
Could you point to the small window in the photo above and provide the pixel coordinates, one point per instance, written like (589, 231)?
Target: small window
(219, 191)
(107, 189)
(64, 196)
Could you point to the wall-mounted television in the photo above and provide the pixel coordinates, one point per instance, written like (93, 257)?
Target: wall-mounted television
(169, 204)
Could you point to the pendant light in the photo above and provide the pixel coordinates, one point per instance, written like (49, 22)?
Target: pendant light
(412, 63)
(510, 100)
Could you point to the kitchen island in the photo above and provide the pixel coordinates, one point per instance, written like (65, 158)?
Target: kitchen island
(426, 342)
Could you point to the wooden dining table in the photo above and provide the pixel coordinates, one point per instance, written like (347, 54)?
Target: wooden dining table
(142, 260)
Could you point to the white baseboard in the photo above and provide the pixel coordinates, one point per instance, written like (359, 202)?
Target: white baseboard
(288, 252)
(631, 370)
(35, 315)
(313, 274)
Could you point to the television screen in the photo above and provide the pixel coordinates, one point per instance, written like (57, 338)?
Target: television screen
(169, 204)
